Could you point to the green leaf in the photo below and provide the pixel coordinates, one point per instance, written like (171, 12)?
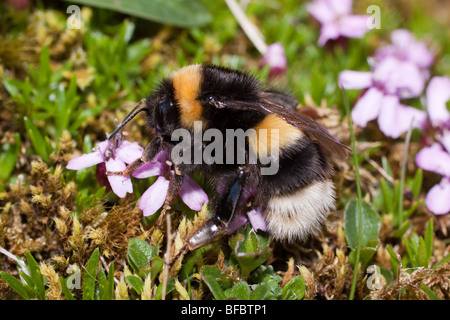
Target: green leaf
(156, 265)
(37, 140)
(15, 284)
(267, 276)
(192, 258)
(67, 293)
(8, 157)
(240, 290)
(422, 256)
(444, 260)
(90, 275)
(399, 233)
(370, 224)
(44, 72)
(109, 290)
(11, 87)
(135, 283)
(174, 12)
(214, 287)
(429, 292)
(250, 250)
(416, 183)
(139, 256)
(411, 250)
(170, 287)
(260, 292)
(429, 233)
(101, 284)
(210, 274)
(36, 276)
(294, 289)
(388, 195)
(366, 254)
(395, 263)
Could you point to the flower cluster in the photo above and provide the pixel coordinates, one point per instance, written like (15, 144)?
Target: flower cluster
(400, 71)
(396, 74)
(116, 154)
(337, 20)
(153, 198)
(436, 156)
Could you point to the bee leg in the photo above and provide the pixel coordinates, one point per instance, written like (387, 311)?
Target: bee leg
(150, 152)
(175, 183)
(225, 206)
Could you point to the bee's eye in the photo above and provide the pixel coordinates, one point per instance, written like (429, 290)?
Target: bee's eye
(159, 111)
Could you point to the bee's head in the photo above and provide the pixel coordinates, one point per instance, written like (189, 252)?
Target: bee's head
(160, 109)
(173, 104)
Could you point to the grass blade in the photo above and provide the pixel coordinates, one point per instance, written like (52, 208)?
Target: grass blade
(15, 284)
(90, 276)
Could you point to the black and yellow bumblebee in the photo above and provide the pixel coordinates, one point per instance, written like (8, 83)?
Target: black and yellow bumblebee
(295, 201)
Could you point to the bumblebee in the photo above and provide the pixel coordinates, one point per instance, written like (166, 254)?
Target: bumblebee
(295, 200)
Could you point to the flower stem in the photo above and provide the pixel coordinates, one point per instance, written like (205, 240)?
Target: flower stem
(359, 195)
(402, 176)
(249, 28)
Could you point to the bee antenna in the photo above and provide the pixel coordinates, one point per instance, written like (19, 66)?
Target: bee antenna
(133, 113)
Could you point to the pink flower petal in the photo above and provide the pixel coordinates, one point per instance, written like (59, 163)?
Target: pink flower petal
(329, 31)
(129, 151)
(257, 220)
(438, 93)
(434, 159)
(119, 184)
(349, 79)
(402, 38)
(438, 198)
(154, 168)
(341, 7)
(192, 195)
(275, 58)
(103, 146)
(149, 170)
(321, 11)
(153, 198)
(236, 222)
(368, 107)
(395, 118)
(408, 47)
(445, 140)
(354, 26)
(400, 78)
(85, 161)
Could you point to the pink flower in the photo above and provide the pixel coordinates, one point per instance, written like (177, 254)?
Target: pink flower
(438, 93)
(275, 57)
(336, 19)
(388, 82)
(405, 47)
(254, 216)
(436, 158)
(114, 155)
(153, 198)
(19, 4)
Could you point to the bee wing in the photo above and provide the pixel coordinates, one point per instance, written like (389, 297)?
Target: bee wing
(283, 106)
